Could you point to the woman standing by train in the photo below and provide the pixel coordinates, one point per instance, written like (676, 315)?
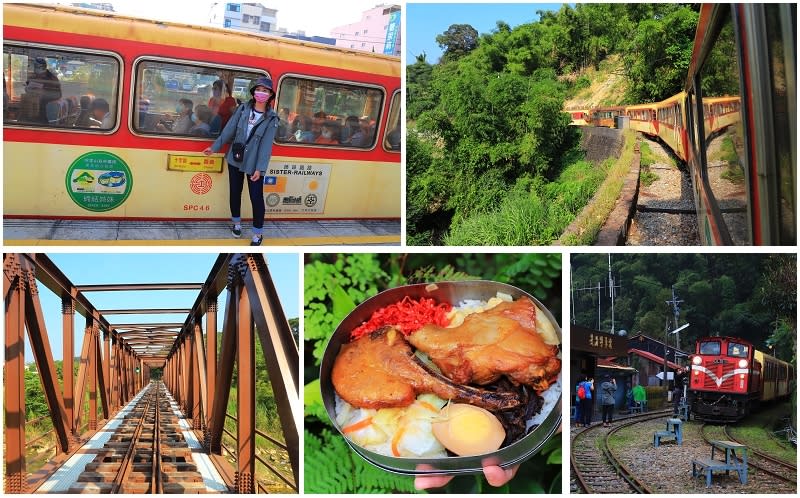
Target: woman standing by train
(252, 129)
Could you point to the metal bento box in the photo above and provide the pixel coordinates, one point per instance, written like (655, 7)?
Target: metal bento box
(449, 292)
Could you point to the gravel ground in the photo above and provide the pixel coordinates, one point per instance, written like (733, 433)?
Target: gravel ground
(668, 468)
(672, 190)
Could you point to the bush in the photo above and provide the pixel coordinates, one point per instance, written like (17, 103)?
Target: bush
(533, 213)
(582, 82)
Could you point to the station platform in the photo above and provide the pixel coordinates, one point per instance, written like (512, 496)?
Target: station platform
(39, 232)
(67, 475)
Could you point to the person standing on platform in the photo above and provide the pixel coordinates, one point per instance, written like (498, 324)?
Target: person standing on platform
(252, 129)
(607, 390)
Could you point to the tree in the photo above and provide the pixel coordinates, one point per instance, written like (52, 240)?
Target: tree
(457, 41)
(659, 54)
(419, 93)
(778, 287)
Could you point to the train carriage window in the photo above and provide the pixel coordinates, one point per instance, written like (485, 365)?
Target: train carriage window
(48, 87)
(391, 141)
(182, 99)
(328, 113)
(724, 146)
(710, 347)
(738, 350)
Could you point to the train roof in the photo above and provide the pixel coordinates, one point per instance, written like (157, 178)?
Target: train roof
(651, 105)
(609, 108)
(724, 98)
(679, 97)
(113, 25)
(724, 338)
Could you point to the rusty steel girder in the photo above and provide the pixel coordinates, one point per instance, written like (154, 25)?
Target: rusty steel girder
(117, 365)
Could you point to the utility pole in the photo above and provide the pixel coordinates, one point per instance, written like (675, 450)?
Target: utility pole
(612, 292)
(674, 303)
(572, 295)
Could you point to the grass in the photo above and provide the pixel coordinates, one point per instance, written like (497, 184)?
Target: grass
(532, 215)
(756, 430)
(625, 437)
(591, 219)
(603, 86)
(647, 177)
(276, 456)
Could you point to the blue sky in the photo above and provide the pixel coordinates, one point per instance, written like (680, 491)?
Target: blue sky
(83, 269)
(315, 17)
(427, 20)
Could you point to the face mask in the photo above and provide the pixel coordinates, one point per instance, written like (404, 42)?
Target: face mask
(179, 109)
(217, 93)
(261, 96)
(327, 134)
(298, 134)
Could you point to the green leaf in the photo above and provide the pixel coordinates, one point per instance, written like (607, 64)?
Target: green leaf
(331, 467)
(342, 303)
(554, 457)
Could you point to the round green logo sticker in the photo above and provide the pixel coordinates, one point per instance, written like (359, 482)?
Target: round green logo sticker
(99, 181)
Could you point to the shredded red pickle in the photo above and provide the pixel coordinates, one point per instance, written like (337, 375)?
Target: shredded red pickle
(408, 316)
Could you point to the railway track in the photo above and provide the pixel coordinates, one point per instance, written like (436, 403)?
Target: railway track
(779, 469)
(786, 471)
(596, 467)
(665, 211)
(146, 454)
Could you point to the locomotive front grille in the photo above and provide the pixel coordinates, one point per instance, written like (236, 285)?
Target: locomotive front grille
(719, 377)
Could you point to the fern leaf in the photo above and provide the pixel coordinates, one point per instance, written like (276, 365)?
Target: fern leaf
(331, 466)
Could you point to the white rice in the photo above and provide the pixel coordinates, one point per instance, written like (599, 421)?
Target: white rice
(550, 397)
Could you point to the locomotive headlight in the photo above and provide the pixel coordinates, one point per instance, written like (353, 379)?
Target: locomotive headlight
(697, 360)
(742, 363)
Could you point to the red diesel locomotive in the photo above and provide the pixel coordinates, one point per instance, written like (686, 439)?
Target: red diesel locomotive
(730, 378)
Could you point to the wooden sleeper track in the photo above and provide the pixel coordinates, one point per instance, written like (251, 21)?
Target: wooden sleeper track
(146, 454)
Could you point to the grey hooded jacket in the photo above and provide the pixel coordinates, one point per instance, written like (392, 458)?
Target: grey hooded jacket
(607, 390)
(258, 152)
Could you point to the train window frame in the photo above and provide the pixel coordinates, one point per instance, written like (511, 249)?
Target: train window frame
(722, 14)
(690, 122)
(74, 52)
(714, 352)
(395, 111)
(233, 72)
(282, 89)
(745, 353)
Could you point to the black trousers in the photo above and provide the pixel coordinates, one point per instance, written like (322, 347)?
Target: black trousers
(608, 413)
(586, 411)
(256, 189)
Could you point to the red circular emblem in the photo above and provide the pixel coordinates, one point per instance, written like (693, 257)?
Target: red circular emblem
(200, 183)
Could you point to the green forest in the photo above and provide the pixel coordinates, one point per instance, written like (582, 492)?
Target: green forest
(752, 296)
(491, 158)
(334, 285)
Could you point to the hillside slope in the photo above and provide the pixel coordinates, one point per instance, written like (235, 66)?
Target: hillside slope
(608, 86)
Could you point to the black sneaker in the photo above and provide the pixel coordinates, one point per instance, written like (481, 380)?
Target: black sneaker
(237, 232)
(256, 240)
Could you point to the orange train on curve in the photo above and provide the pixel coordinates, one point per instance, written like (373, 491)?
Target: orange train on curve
(730, 378)
(733, 125)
